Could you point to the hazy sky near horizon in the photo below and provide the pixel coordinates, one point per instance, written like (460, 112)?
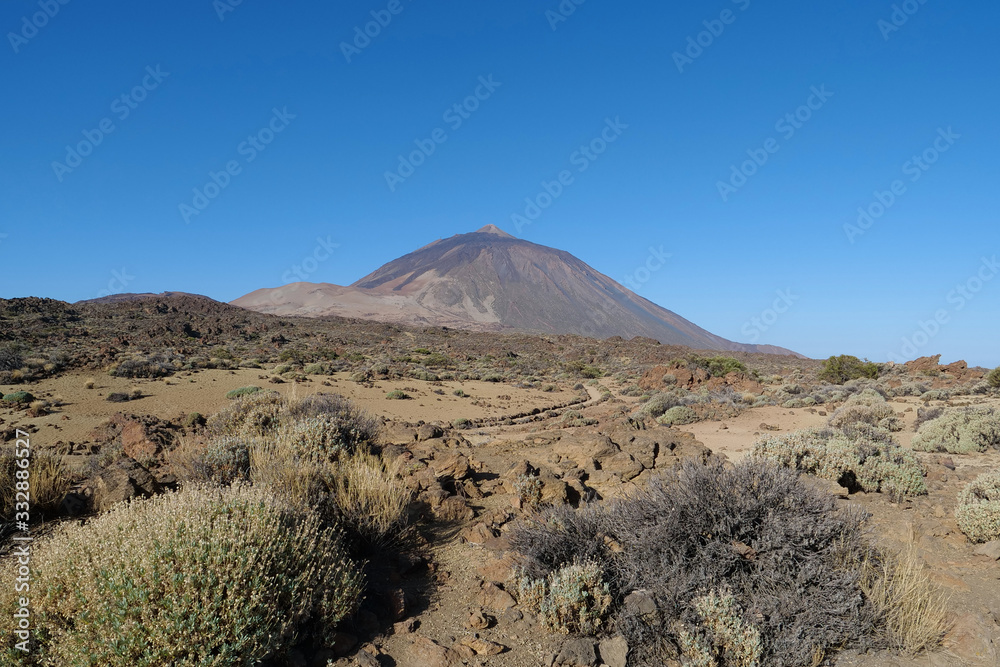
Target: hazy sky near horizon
(820, 176)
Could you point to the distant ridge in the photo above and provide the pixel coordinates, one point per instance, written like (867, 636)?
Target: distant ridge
(490, 280)
(126, 296)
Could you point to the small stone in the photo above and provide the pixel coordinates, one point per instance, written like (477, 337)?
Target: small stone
(614, 651)
(365, 659)
(493, 597)
(428, 653)
(478, 620)
(989, 549)
(482, 646)
(641, 603)
(577, 653)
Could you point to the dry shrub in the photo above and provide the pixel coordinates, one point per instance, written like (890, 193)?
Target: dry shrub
(204, 576)
(913, 610)
(755, 531)
(866, 407)
(964, 431)
(860, 457)
(48, 483)
(253, 415)
(978, 511)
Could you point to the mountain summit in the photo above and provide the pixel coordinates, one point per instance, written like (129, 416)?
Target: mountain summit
(490, 280)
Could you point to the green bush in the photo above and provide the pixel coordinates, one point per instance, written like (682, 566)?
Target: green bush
(397, 395)
(118, 397)
(203, 576)
(858, 458)
(242, 391)
(963, 431)
(678, 415)
(838, 370)
(462, 423)
(993, 378)
(978, 512)
(18, 397)
(720, 366)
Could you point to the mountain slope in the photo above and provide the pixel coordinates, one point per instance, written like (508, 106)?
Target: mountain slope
(491, 280)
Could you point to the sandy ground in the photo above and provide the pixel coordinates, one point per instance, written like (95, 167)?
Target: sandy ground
(83, 409)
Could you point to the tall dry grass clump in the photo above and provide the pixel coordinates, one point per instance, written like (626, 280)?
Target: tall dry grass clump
(48, 483)
(315, 452)
(203, 576)
(913, 609)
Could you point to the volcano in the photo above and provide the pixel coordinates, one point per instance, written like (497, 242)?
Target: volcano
(490, 280)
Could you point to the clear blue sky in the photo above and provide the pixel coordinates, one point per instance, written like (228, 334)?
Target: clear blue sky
(198, 80)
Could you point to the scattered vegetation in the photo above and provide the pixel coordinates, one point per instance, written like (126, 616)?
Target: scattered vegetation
(963, 431)
(725, 559)
(19, 397)
(397, 395)
(236, 568)
(978, 512)
(142, 368)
